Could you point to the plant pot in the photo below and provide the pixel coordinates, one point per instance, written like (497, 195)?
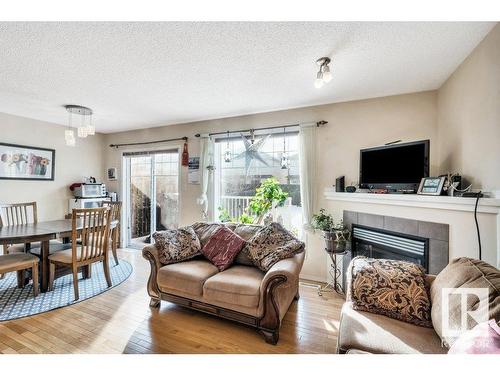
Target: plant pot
(332, 245)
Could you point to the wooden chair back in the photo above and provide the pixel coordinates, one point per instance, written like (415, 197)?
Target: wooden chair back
(93, 224)
(116, 209)
(18, 213)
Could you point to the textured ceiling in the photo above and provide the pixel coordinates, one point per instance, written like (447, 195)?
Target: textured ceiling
(137, 75)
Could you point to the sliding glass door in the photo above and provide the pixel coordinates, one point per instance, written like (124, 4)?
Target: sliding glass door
(151, 188)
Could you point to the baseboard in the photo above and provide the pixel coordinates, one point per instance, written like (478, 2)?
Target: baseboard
(312, 278)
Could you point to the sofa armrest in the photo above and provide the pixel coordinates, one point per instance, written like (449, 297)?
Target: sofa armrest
(279, 287)
(150, 253)
(290, 268)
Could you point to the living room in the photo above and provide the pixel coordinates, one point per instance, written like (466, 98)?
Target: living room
(250, 187)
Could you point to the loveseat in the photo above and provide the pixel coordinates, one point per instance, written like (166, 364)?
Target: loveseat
(242, 293)
(366, 332)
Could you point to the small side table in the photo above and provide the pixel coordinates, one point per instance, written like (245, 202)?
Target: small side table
(335, 273)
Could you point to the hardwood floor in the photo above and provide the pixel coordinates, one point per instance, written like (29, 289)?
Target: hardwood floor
(120, 321)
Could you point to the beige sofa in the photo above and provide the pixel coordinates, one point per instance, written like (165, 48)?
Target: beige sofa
(364, 332)
(241, 293)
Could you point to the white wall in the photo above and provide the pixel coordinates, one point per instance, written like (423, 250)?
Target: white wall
(352, 126)
(469, 116)
(72, 163)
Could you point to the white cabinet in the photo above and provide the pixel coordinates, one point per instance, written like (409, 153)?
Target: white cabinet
(86, 202)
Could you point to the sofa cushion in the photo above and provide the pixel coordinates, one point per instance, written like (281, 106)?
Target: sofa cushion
(376, 333)
(238, 285)
(271, 244)
(177, 245)
(245, 231)
(393, 288)
(187, 277)
(223, 247)
(464, 273)
(205, 230)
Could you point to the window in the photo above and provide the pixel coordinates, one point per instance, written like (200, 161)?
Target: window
(152, 194)
(235, 182)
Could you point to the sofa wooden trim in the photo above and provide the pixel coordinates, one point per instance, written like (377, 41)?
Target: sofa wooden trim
(268, 325)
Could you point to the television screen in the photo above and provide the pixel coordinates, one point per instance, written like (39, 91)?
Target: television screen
(399, 166)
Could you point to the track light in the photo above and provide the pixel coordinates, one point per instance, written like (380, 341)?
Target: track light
(324, 75)
(318, 82)
(327, 76)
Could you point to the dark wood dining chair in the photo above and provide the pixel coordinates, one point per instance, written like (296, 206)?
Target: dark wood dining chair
(116, 208)
(17, 214)
(91, 226)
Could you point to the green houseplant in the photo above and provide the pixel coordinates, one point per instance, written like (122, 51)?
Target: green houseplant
(337, 236)
(268, 195)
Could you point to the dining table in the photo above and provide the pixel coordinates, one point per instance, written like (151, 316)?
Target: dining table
(43, 232)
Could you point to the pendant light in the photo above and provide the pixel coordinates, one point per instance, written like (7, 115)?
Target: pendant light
(86, 127)
(69, 133)
(90, 127)
(284, 155)
(82, 129)
(227, 153)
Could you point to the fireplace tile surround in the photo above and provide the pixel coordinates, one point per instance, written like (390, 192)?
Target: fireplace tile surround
(437, 233)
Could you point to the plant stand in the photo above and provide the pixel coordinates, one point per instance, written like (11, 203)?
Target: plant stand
(334, 285)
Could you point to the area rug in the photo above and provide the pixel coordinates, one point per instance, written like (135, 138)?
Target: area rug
(19, 302)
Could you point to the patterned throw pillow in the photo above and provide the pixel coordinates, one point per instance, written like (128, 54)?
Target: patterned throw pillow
(177, 245)
(393, 288)
(271, 244)
(223, 247)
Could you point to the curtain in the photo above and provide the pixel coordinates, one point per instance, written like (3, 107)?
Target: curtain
(206, 166)
(307, 166)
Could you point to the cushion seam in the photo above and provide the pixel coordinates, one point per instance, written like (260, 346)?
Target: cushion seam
(223, 291)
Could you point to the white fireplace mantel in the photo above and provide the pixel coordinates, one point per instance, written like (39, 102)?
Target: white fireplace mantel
(457, 212)
(486, 205)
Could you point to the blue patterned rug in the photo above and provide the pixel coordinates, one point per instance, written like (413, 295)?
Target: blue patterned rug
(19, 302)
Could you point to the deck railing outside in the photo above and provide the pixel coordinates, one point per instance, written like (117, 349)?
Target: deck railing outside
(235, 204)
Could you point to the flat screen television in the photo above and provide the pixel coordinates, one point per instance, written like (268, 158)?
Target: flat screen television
(397, 167)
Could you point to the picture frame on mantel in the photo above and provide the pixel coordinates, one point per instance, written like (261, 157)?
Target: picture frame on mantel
(18, 162)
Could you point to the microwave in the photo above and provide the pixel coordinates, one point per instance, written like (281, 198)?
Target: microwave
(90, 191)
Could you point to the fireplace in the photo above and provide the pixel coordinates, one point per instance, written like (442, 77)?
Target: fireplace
(380, 236)
(385, 244)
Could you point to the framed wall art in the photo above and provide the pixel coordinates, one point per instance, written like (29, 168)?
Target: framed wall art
(19, 162)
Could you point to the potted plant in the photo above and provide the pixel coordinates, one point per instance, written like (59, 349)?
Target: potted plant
(337, 236)
(268, 196)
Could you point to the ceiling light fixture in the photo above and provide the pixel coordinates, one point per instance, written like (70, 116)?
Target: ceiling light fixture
(86, 127)
(324, 75)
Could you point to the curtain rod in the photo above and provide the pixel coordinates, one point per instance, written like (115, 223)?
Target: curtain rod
(318, 124)
(149, 143)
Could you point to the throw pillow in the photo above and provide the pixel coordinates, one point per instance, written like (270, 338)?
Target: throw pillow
(223, 247)
(177, 245)
(482, 339)
(272, 243)
(464, 273)
(393, 288)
